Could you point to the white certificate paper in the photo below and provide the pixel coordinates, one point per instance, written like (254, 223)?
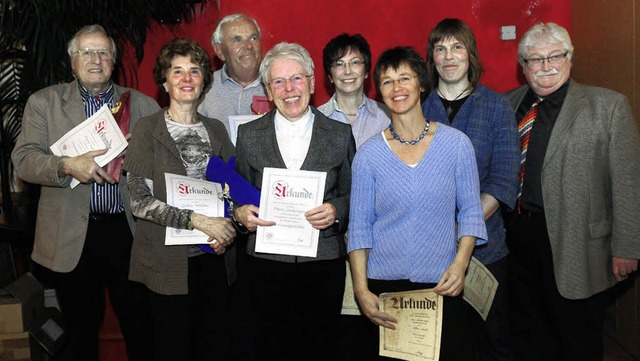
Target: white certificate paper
(236, 120)
(99, 131)
(286, 195)
(201, 196)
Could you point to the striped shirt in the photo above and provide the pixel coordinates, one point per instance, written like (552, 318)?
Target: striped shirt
(104, 198)
(226, 97)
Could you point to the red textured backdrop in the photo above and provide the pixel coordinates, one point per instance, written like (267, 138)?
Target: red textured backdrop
(383, 23)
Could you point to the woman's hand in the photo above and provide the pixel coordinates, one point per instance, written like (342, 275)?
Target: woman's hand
(220, 231)
(248, 216)
(452, 281)
(369, 306)
(322, 216)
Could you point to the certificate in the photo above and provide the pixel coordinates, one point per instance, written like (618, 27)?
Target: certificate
(286, 195)
(419, 328)
(479, 287)
(99, 131)
(198, 195)
(235, 121)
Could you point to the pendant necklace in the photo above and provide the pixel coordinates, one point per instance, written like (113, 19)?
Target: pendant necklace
(449, 108)
(409, 142)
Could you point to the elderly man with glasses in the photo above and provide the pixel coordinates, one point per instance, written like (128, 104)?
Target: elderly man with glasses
(236, 88)
(84, 234)
(575, 231)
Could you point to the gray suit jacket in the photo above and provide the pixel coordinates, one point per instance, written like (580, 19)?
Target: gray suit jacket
(331, 150)
(63, 213)
(590, 189)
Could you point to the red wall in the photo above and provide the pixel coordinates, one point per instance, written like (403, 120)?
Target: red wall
(383, 23)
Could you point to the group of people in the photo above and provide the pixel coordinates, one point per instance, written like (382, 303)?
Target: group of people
(531, 184)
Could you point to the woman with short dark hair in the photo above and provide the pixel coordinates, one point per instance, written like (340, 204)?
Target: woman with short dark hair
(415, 207)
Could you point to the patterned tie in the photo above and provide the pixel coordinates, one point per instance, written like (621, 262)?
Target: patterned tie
(524, 129)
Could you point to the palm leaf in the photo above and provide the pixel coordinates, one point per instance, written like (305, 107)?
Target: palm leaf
(34, 36)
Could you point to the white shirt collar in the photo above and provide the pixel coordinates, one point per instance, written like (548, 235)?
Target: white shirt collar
(294, 138)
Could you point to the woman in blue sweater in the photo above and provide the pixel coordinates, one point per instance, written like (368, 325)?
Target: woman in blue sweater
(412, 186)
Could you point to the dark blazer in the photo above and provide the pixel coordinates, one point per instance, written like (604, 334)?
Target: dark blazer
(590, 187)
(63, 213)
(331, 150)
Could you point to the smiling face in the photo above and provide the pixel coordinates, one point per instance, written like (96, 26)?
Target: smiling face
(184, 80)
(546, 78)
(290, 97)
(348, 74)
(400, 89)
(240, 49)
(94, 73)
(451, 60)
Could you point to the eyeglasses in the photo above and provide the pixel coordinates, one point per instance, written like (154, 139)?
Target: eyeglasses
(342, 65)
(295, 80)
(404, 80)
(88, 54)
(552, 60)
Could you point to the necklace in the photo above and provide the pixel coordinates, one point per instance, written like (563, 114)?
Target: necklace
(409, 142)
(449, 108)
(168, 116)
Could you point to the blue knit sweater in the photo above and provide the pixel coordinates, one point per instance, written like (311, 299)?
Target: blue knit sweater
(406, 215)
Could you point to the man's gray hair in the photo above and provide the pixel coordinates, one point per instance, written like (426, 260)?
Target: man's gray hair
(288, 51)
(72, 45)
(216, 38)
(541, 34)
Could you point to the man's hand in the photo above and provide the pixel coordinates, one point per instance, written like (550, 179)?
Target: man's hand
(85, 169)
(622, 267)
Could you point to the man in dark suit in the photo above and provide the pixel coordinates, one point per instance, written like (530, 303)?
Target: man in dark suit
(575, 232)
(83, 235)
(298, 299)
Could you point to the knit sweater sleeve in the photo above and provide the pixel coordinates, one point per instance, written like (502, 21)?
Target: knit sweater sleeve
(361, 215)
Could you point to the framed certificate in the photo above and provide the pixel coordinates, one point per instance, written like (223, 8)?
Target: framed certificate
(286, 195)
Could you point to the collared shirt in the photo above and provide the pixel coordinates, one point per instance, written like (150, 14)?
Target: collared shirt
(226, 97)
(487, 118)
(104, 198)
(548, 110)
(294, 138)
(370, 119)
